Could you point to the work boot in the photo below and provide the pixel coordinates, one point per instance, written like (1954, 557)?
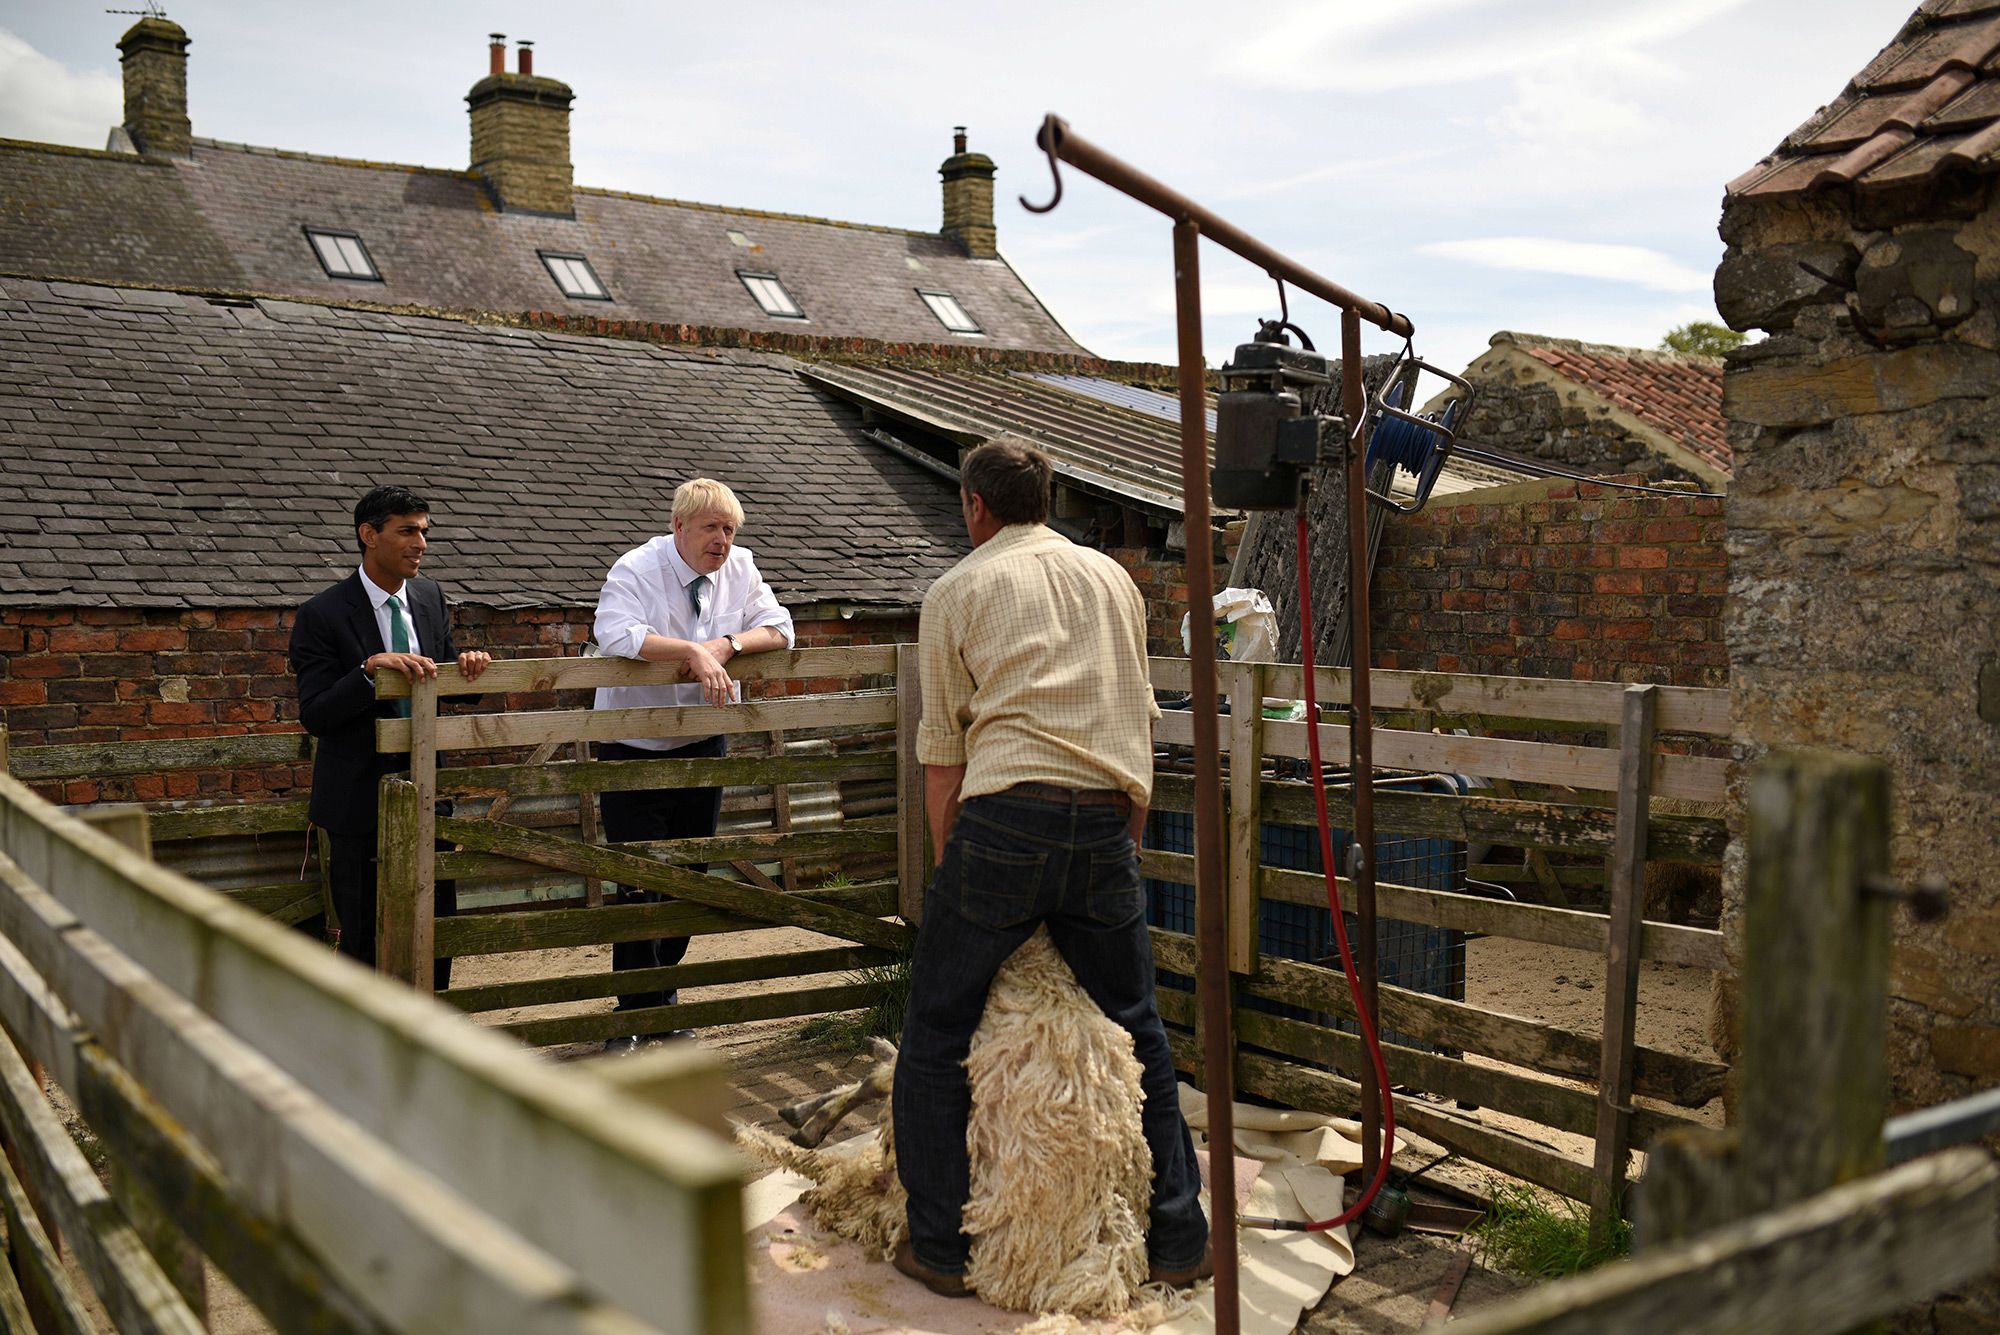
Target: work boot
(937, 1281)
(1188, 1276)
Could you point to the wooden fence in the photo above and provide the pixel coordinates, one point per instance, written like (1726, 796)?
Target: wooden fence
(351, 1155)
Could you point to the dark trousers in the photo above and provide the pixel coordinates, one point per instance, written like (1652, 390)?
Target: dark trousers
(350, 874)
(656, 813)
(1013, 863)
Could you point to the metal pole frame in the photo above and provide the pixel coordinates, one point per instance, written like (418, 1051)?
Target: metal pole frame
(1191, 223)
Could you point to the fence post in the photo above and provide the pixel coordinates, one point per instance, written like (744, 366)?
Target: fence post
(590, 827)
(1621, 962)
(3, 749)
(396, 875)
(423, 773)
(1813, 1084)
(1246, 848)
(912, 867)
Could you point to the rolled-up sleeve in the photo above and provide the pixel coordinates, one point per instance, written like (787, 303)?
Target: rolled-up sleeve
(621, 627)
(764, 609)
(947, 687)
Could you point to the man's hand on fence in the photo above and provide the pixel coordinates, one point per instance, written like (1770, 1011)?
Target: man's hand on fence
(414, 666)
(704, 667)
(473, 662)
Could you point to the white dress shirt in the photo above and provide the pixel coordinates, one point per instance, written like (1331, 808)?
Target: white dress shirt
(378, 597)
(646, 593)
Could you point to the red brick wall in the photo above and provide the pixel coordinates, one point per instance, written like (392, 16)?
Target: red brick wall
(115, 675)
(1162, 581)
(1556, 579)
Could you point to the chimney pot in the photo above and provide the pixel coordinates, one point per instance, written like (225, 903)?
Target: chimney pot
(958, 139)
(496, 53)
(527, 57)
(520, 137)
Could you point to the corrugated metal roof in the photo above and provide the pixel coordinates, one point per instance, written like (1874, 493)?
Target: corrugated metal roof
(1119, 439)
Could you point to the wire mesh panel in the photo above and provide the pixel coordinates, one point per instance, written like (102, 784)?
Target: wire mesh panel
(1410, 955)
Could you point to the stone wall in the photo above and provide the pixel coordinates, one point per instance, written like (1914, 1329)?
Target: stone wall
(1537, 420)
(520, 141)
(1556, 579)
(1864, 558)
(116, 675)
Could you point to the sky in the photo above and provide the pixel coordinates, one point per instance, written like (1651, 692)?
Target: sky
(1548, 166)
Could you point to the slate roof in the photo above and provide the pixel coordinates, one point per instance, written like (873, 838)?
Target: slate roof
(1927, 105)
(160, 449)
(232, 218)
(1675, 395)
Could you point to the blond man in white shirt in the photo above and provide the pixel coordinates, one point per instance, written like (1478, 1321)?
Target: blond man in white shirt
(695, 598)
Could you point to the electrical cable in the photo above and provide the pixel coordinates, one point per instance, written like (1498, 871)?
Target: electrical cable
(1550, 470)
(1361, 1014)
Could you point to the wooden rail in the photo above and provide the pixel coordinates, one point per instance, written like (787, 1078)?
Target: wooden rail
(351, 1155)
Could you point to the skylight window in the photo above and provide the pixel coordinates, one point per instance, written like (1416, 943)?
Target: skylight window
(949, 313)
(342, 255)
(739, 239)
(574, 276)
(771, 295)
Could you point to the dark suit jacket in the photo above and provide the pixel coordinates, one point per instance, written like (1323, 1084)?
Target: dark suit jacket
(333, 635)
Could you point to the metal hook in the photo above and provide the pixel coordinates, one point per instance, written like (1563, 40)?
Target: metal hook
(1047, 139)
(1284, 310)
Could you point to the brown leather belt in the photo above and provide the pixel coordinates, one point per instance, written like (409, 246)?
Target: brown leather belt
(1084, 797)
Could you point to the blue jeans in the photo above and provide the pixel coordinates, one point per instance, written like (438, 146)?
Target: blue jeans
(1010, 864)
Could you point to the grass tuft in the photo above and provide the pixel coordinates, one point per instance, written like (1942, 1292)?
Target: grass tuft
(1527, 1236)
(849, 1031)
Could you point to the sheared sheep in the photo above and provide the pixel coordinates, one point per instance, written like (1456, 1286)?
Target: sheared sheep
(1061, 1175)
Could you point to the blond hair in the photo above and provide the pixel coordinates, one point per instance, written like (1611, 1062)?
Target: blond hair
(704, 495)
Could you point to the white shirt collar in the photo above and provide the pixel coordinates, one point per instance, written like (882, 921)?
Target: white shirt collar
(684, 574)
(377, 595)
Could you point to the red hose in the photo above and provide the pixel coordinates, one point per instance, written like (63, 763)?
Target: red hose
(1366, 1020)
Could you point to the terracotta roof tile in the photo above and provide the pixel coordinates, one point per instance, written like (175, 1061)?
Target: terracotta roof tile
(1920, 107)
(1678, 396)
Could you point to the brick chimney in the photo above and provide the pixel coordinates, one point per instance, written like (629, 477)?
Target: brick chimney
(968, 199)
(520, 134)
(154, 54)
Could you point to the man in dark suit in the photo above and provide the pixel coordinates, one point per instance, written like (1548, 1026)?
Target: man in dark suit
(380, 618)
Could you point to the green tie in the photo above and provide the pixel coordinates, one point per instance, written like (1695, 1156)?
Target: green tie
(399, 641)
(697, 587)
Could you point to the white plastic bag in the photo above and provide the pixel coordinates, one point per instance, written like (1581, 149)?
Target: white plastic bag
(1246, 631)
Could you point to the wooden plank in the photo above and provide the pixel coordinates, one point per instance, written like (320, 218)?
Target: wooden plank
(124, 821)
(516, 675)
(1558, 1106)
(1245, 683)
(233, 818)
(1576, 929)
(913, 861)
(708, 973)
(396, 883)
(135, 1291)
(44, 1284)
(1627, 874)
(104, 759)
(712, 892)
(544, 928)
(1861, 1251)
(272, 1269)
(781, 814)
(608, 776)
(464, 731)
(1683, 1081)
(683, 1079)
(589, 828)
(1697, 778)
(14, 1313)
(422, 921)
(645, 1207)
(1682, 709)
(871, 835)
(1584, 829)
(600, 1025)
(285, 904)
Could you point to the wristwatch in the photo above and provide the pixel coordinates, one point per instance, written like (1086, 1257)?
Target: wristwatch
(735, 645)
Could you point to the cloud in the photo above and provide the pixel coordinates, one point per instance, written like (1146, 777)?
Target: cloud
(1339, 48)
(42, 100)
(1578, 259)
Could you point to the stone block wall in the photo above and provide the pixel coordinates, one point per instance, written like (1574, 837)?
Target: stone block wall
(118, 675)
(1864, 558)
(520, 141)
(1556, 579)
(1534, 419)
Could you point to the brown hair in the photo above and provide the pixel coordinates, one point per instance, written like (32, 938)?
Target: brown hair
(1012, 476)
